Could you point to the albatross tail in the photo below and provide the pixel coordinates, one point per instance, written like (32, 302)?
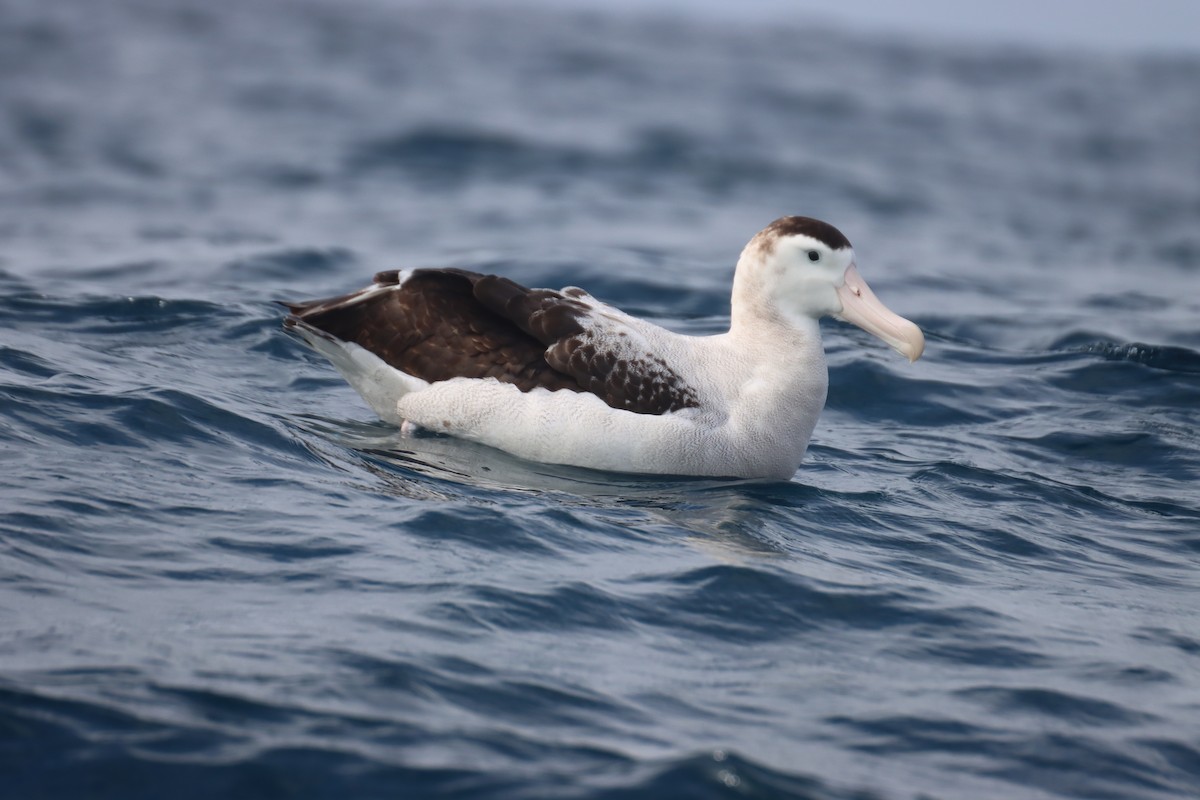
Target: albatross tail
(380, 384)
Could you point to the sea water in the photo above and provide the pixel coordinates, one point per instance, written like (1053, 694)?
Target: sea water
(221, 576)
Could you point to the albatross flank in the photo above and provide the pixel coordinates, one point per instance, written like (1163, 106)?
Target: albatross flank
(559, 376)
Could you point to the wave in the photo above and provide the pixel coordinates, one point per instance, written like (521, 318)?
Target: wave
(1164, 357)
(224, 577)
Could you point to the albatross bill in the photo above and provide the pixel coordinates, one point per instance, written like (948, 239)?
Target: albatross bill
(861, 307)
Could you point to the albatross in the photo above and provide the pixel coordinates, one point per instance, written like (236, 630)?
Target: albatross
(558, 376)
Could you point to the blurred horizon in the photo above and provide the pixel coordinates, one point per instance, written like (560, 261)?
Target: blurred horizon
(1158, 27)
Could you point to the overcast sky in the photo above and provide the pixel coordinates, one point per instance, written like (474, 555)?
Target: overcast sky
(1124, 25)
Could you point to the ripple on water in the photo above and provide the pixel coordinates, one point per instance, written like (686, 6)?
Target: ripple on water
(223, 577)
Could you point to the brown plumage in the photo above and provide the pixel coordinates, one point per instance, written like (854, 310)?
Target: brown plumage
(437, 324)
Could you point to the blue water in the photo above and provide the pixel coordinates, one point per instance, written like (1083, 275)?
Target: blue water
(221, 576)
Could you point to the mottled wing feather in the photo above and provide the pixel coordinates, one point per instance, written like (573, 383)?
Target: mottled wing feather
(622, 371)
(593, 344)
(438, 324)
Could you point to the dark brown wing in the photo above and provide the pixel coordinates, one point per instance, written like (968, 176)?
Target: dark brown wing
(438, 324)
(432, 327)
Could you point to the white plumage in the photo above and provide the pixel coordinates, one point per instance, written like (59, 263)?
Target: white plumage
(739, 404)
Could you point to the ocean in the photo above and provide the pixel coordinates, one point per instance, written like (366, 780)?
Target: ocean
(222, 576)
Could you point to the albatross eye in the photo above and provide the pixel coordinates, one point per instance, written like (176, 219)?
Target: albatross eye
(813, 255)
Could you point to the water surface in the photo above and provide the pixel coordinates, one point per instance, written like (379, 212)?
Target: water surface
(221, 576)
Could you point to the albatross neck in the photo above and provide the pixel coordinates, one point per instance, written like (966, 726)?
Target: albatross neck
(757, 323)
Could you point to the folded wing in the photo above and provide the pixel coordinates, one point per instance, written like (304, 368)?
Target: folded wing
(438, 324)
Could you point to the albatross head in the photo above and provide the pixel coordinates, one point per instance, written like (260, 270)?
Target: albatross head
(803, 267)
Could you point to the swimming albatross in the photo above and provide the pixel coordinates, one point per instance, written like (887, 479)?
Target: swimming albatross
(560, 377)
